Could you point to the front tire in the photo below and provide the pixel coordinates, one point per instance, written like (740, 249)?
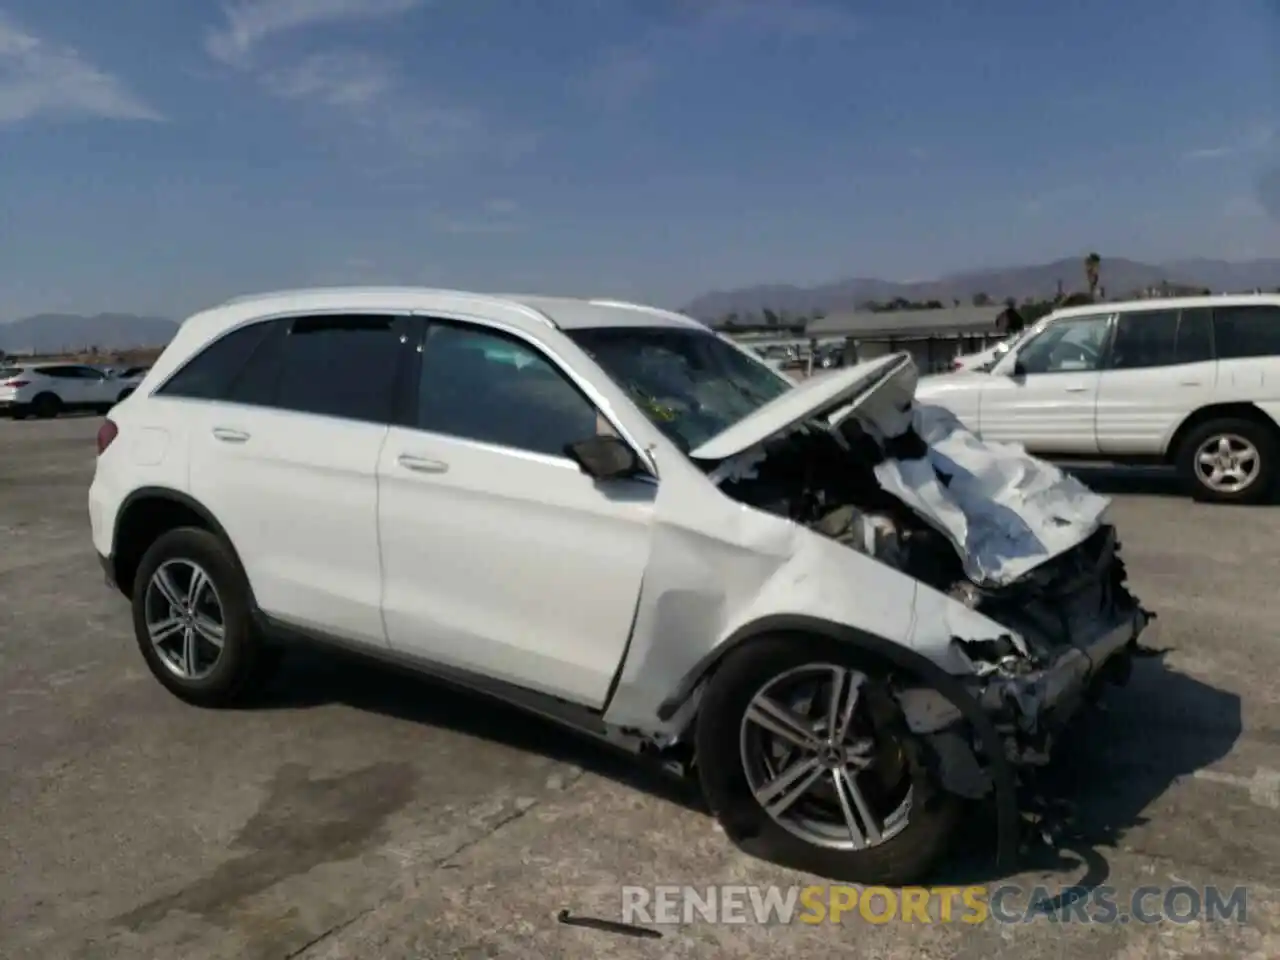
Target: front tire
(828, 783)
(192, 618)
(1232, 460)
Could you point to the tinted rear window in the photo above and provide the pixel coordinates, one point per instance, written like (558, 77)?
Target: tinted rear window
(1247, 331)
(210, 373)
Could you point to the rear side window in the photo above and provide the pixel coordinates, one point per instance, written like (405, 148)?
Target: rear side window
(1146, 339)
(334, 366)
(210, 373)
(1246, 331)
(1195, 336)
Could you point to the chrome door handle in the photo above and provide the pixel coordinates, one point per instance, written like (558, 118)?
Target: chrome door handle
(1189, 383)
(227, 435)
(421, 464)
(1076, 389)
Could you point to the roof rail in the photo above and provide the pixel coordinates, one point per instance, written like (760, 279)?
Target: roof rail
(509, 302)
(644, 308)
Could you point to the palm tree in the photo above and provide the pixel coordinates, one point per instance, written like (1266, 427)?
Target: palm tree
(1092, 266)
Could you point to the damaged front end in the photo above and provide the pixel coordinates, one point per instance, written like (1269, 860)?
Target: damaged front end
(1002, 533)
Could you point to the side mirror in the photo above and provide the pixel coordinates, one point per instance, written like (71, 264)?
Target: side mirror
(605, 458)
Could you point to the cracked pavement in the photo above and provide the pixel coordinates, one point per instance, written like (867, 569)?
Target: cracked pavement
(359, 813)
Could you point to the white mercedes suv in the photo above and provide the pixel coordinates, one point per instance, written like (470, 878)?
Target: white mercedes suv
(809, 597)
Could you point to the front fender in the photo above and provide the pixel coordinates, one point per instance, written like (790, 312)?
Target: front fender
(704, 594)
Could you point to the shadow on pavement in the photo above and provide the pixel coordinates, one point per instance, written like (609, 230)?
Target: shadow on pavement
(1128, 481)
(1110, 767)
(313, 678)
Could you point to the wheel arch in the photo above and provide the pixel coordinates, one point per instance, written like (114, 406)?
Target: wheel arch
(892, 655)
(147, 513)
(1242, 410)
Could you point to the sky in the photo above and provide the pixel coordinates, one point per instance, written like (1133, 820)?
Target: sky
(159, 156)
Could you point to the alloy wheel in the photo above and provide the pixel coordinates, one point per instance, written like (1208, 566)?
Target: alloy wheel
(185, 620)
(816, 763)
(1227, 463)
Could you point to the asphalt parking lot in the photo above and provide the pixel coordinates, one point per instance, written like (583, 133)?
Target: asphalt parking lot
(359, 814)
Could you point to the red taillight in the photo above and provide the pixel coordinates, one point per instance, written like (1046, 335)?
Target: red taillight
(956, 365)
(106, 433)
(15, 383)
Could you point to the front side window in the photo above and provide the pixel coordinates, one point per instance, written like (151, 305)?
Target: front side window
(1066, 346)
(689, 383)
(1246, 331)
(484, 385)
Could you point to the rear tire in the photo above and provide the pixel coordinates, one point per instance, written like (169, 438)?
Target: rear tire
(877, 763)
(46, 406)
(200, 644)
(1231, 460)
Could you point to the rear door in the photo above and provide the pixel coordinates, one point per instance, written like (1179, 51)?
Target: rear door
(1160, 369)
(286, 459)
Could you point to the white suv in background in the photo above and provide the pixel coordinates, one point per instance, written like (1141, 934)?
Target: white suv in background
(48, 389)
(1190, 382)
(614, 518)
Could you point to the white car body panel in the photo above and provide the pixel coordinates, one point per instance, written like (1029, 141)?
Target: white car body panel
(486, 554)
(298, 495)
(1138, 410)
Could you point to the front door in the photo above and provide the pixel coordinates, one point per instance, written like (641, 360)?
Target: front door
(1044, 393)
(499, 556)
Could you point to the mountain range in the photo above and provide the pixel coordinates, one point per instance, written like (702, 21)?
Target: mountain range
(47, 333)
(1119, 277)
(55, 332)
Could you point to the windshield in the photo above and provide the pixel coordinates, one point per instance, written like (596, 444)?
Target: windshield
(691, 384)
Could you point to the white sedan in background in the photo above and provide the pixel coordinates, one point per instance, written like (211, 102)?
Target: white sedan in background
(48, 389)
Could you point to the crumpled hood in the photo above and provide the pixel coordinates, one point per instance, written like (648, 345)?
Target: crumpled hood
(1005, 511)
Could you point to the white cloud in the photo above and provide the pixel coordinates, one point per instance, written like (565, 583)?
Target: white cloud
(336, 79)
(252, 22)
(363, 89)
(38, 79)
